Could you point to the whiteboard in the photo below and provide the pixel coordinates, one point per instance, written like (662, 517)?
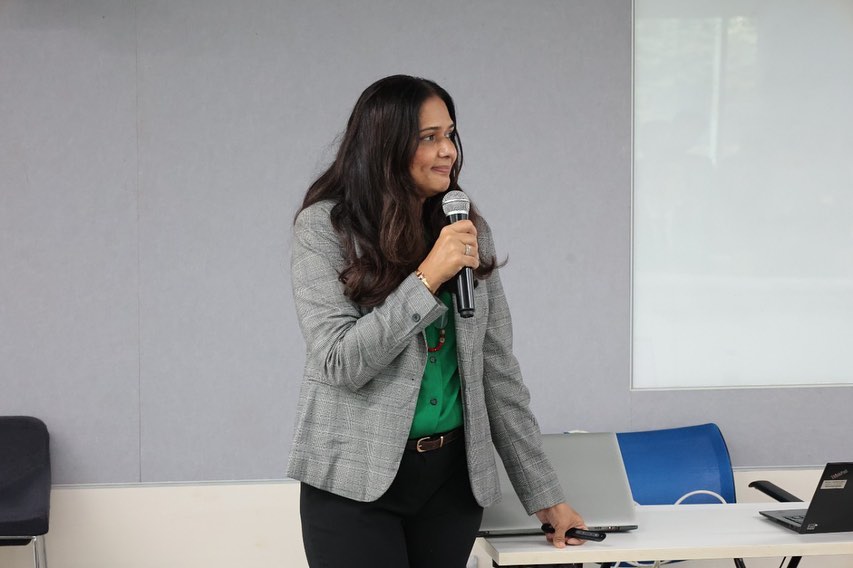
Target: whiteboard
(743, 194)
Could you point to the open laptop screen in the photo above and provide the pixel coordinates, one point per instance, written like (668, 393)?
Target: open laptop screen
(590, 469)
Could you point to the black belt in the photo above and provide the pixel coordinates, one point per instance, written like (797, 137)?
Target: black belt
(434, 442)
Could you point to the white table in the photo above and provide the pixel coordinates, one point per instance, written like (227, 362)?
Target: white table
(680, 532)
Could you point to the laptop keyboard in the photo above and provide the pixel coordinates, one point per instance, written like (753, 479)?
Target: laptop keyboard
(796, 518)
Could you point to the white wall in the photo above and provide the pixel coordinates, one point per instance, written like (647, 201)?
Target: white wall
(147, 526)
(224, 525)
(742, 236)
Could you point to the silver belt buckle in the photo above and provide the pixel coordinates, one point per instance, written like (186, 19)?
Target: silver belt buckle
(425, 439)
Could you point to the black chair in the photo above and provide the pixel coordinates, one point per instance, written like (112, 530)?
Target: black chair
(776, 492)
(24, 484)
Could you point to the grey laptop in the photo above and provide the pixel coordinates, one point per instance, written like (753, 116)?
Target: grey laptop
(831, 507)
(590, 469)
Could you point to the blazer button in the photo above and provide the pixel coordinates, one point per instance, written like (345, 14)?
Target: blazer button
(416, 318)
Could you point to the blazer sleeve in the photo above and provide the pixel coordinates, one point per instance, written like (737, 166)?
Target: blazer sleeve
(515, 431)
(347, 344)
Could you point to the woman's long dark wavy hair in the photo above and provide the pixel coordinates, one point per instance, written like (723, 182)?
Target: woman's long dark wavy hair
(385, 230)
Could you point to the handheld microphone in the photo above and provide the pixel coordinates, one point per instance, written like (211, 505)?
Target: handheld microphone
(456, 206)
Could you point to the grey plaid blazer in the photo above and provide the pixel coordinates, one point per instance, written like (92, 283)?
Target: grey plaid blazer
(364, 367)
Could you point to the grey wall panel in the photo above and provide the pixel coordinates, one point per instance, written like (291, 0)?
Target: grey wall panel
(154, 153)
(219, 342)
(235, 120)
(763, 427)
(68, 254)
(555, 182)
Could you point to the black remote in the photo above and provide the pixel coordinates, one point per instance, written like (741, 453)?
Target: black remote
(578, 533)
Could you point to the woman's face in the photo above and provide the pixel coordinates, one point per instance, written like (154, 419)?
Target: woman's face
(436, 153)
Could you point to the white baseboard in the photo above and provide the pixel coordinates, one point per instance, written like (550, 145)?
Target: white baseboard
(251, 524)
(215, 525)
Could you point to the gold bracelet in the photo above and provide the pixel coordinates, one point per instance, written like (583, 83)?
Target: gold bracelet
(423, 279)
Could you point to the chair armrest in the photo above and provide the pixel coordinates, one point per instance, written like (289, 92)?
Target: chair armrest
(774, 491)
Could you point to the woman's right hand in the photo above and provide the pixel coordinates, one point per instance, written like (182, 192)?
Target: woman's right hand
(448, 255)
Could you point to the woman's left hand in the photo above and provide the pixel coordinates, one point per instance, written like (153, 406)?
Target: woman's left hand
(562, 517)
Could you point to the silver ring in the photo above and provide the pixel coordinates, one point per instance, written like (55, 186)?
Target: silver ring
(467, 250)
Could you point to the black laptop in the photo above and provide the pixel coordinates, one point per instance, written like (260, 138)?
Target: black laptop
(831, 508)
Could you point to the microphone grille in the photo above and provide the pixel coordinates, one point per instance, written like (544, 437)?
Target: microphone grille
(455, 202)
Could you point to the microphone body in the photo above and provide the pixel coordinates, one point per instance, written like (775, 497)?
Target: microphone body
(456, 205)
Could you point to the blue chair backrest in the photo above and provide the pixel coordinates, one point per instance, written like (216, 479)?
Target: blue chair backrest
(664, 465)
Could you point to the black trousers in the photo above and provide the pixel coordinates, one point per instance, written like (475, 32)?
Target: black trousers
(428, 518)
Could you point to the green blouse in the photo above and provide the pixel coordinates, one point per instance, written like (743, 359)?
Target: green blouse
(439, 406)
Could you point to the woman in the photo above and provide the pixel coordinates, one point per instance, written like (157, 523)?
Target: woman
(401, 401)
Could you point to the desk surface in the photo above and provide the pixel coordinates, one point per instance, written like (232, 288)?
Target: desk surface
(680, 532)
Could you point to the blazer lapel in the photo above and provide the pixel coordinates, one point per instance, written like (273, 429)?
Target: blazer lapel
(465, 334)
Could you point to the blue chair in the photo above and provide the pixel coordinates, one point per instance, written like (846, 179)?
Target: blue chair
(678, 466)
(24, 484)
